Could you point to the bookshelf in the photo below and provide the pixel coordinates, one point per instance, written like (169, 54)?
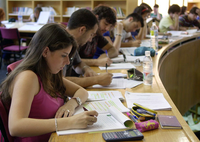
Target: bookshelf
(191, 3)
(61, 6)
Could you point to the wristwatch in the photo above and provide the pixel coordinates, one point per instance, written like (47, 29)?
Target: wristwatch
(78, 100)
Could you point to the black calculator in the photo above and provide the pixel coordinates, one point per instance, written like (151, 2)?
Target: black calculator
(127, 135)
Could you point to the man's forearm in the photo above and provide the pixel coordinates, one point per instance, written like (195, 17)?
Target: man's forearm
(80, 67)
(176, 25)
(91, 62)
(126, 44)
(84, 81)
(112, 52)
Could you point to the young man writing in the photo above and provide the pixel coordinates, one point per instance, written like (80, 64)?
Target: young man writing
(82, 26)
(132, 22)
(107, 19)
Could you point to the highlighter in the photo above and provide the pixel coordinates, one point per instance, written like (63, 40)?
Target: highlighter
(134, 120)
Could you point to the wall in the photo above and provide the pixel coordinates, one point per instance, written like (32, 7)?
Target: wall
(3, 5)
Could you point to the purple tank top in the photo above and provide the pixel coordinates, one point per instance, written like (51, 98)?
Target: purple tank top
(43, 107)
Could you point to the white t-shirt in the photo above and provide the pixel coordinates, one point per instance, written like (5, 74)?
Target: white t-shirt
(32, 17)
(124, 36)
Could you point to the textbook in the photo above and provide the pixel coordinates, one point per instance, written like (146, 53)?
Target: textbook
(169, 122)
(104, 95)
(114, 120)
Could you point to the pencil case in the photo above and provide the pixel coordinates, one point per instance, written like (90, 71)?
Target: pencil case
(143, 116)
(147, 125)
(135, 74)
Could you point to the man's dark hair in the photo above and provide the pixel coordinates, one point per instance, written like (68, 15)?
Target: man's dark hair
(156, 6)
(136, 18)
(174, 9)
(147, 6)
(193, 10)
(141, 10)
(105, 12)
(82, 17)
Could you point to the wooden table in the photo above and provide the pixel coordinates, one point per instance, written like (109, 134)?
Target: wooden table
(158, 135)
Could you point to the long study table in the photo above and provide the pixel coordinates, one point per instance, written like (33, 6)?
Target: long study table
(173, 56)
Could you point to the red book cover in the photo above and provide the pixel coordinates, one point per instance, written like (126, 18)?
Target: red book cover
(169, 121)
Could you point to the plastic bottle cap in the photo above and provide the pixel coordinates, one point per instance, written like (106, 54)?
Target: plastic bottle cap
(147, 53)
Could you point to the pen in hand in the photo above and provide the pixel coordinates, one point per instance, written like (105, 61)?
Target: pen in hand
(106, 63)
(85, 109)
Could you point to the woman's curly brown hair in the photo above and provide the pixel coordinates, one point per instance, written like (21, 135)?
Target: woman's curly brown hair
(2, 14)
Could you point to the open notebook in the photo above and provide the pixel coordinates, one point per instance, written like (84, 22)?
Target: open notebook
(113, 120)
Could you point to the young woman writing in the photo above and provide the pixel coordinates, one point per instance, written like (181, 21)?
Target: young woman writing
(35, 91)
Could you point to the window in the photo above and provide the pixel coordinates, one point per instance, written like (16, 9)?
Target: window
(163, 6)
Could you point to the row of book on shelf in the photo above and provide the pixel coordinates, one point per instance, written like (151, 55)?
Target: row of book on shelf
(120, 11)
(29, 11)
(68, 10)
(110, 109)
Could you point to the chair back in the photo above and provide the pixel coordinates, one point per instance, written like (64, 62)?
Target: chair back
(13, 66)
(64, 23)
(10, 33)
(4, 123)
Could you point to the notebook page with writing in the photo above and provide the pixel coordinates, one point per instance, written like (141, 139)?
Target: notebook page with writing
(104, 95)
(102, 106)
(105, 122)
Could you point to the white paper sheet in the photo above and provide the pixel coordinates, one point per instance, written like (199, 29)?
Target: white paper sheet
(120, 59)
(120, 84)
(118, 66)
(119, 75)
(154, 101)
(43, 17)
(30, 28)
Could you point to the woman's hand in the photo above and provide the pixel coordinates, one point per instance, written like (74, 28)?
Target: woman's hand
(83, 119)
(66, 110)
